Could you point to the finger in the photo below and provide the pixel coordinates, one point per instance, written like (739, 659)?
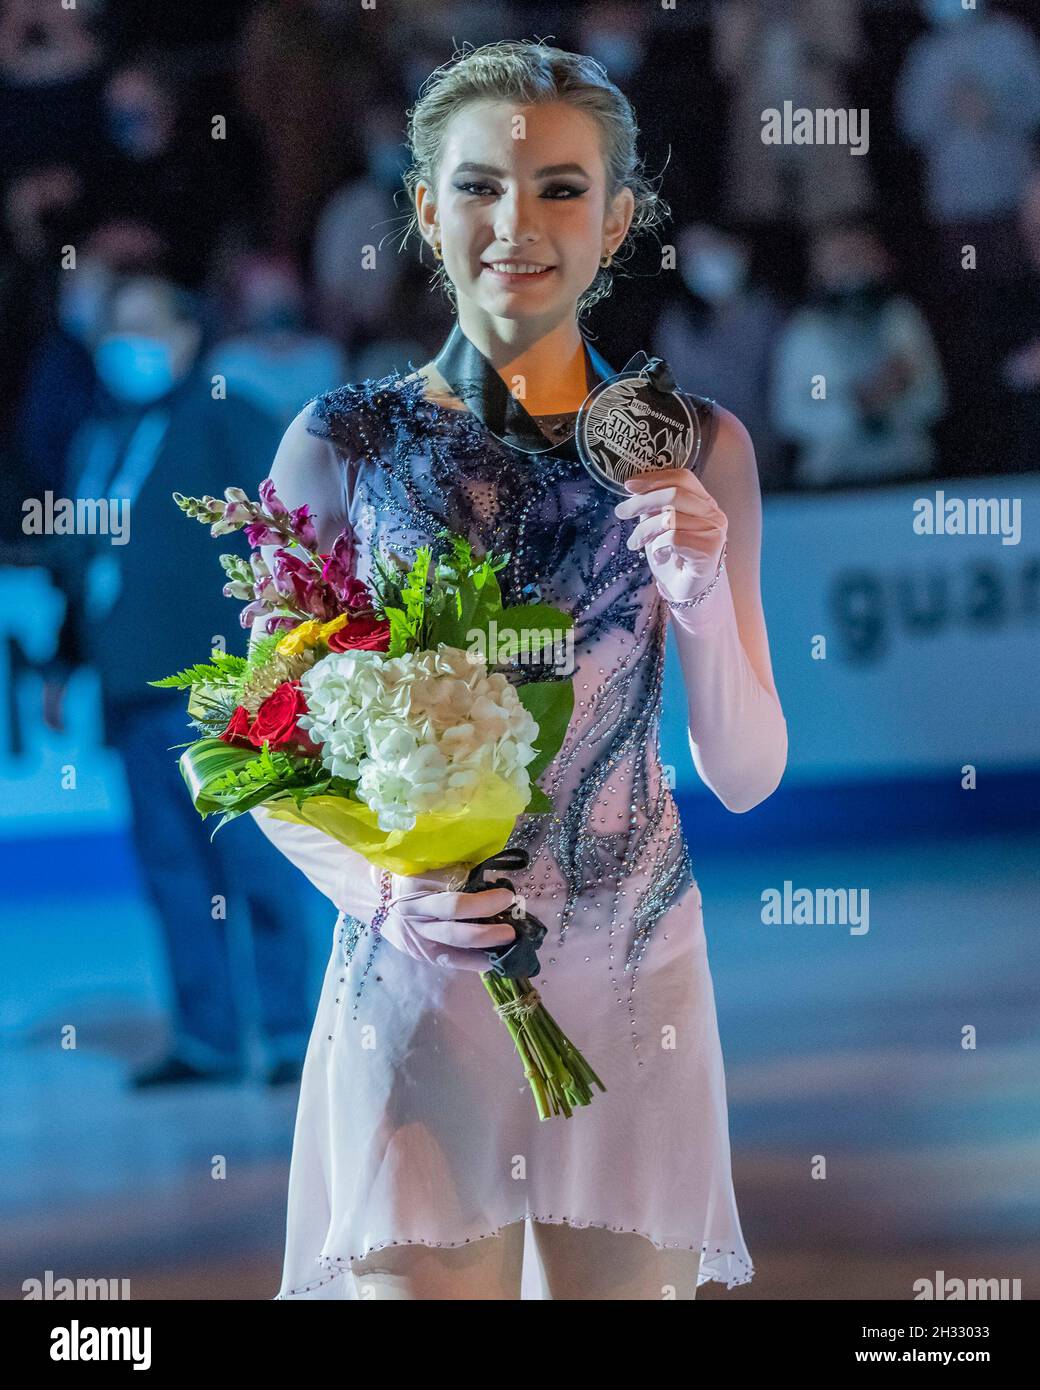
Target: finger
(679, 480)
(649, 530)
(651, 477)
(703, 536)
(668, 498)
(452, 957)
(446, 905)
(472, 936)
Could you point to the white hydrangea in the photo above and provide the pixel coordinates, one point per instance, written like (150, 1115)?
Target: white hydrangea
(416, 732)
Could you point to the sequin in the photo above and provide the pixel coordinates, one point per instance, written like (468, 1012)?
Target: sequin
(716, 1263)
(410, 467)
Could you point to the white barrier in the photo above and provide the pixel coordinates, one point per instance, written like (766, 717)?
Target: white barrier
(929, 658)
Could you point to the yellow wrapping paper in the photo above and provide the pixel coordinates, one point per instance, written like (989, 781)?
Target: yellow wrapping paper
(439, 838)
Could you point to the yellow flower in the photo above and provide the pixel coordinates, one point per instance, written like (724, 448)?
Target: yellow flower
(299, 638)
(333, 625)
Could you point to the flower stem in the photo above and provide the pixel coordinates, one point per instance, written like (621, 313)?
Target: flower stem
(560, 1077)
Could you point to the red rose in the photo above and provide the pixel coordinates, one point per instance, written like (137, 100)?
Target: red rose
(238, 726)
(276, 720)
(361, 635)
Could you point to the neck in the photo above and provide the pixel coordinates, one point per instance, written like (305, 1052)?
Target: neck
(544, 368)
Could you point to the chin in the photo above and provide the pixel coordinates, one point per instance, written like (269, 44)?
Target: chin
(520, 304)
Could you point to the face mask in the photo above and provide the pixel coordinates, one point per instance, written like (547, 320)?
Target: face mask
(78, 309)
(134, 130)
(715, 274)
(949, 11)
(135, 368)
(860, 297)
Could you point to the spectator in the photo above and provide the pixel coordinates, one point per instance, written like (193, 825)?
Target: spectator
(59, 378)
(307, 79)
(968, 96)
(356, 268)
(51, 70)
(774, 51)
(857, 381)
(143, 609)
(1019, 328)
(718, 333)
(273, 360)
(160, 187)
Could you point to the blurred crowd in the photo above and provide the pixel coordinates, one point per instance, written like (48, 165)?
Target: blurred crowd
(243, 163)
(197, 192)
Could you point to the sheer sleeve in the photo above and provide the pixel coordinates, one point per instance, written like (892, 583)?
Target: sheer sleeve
(310, 467)
(737, 730)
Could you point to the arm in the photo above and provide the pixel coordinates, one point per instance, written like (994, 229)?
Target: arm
(308, 469)
(738, 735)
(424, 917)
(737, 730)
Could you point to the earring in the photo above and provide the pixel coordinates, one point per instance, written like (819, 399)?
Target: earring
(437, 251)
(606, 259)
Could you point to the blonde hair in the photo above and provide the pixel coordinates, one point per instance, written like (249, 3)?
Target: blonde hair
(534, 73)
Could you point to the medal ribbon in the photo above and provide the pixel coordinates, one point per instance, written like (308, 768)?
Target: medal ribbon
(474, 381)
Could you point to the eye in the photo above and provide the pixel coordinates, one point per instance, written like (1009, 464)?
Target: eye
(478, 190)
(569, 190)
(557, 192)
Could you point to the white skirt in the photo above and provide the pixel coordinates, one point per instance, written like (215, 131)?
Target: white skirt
(416, 1125)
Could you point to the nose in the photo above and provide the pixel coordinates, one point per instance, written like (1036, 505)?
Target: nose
(514, 223)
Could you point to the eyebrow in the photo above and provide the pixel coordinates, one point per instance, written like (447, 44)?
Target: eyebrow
(544, 172)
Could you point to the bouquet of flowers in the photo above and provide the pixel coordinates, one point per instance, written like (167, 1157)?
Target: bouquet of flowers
(372, 712)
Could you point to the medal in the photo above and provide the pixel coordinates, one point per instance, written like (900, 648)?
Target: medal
(636, 423)
(631, 422)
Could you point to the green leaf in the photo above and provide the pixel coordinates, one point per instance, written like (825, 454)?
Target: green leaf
(539, 801)
(474, 610)
(413, 591)
(192, 675)
(402, 638)
(533, 622)
(204, 764)
(535, 615)
(262, 649)
(224, 668)
(550, 704)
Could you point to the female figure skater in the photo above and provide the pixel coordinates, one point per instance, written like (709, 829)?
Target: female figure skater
(418, 1155)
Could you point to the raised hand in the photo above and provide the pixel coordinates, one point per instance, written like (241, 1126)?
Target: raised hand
(680, 528)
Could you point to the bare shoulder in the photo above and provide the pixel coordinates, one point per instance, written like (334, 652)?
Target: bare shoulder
(732, 442)
(730, 473)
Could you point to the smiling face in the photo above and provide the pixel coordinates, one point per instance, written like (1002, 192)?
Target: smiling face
(521, 209)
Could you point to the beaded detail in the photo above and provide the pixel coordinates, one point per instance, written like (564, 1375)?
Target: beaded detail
(411, 466)
(699, 598)
(716, 1263)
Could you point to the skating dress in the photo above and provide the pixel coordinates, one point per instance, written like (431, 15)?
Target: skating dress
(415, 1124)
